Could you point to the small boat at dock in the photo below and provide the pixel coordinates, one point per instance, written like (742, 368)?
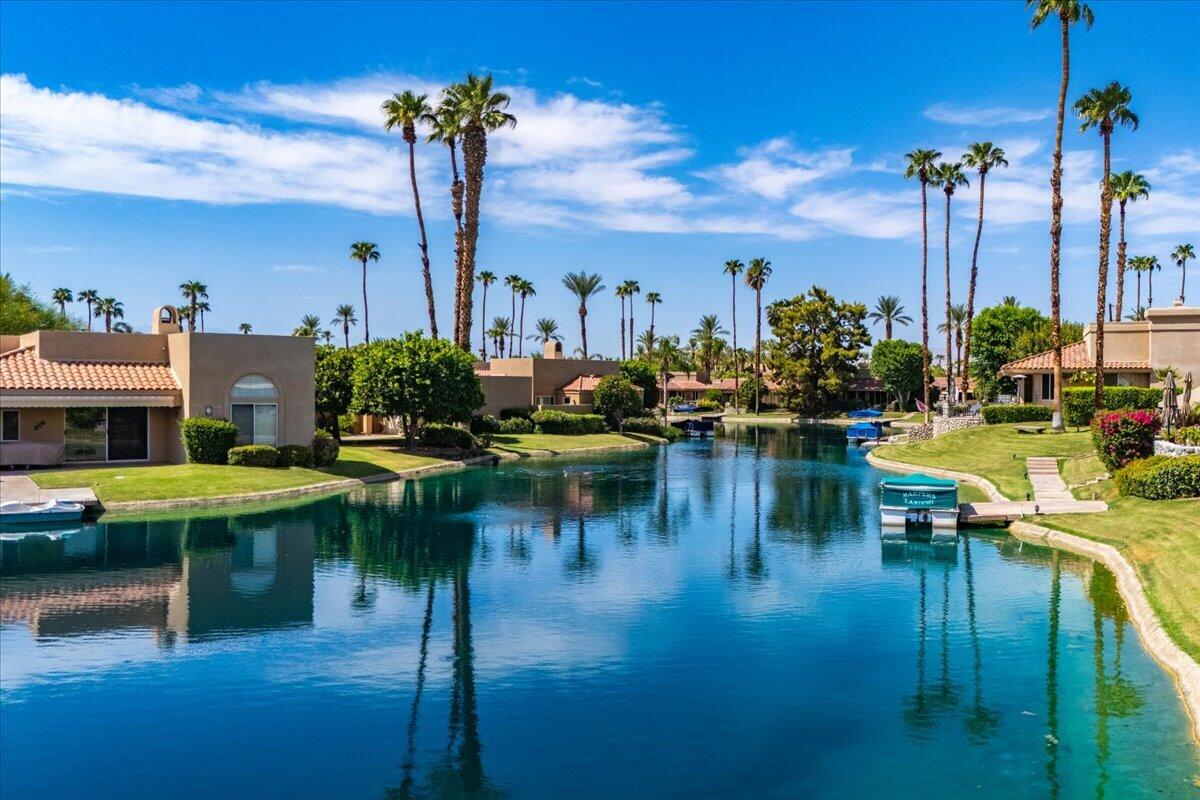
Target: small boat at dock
(861, 432)
(13, 512)
(919, 501)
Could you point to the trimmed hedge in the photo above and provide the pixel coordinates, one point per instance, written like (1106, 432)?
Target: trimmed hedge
(325, 449)
(435, 434)
(671, 433)
(650, 427)
(1161, 478)
(1023, 412)
(525, 412)
(548, 421)
(1079, 402)
(515, 425)
(1124, 436)
(709, 405)
(206, 440)
(295, 455)
(484, 423)
(253, 455)
(1187, 436)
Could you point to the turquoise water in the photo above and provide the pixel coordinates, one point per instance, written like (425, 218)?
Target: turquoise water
(713, 619)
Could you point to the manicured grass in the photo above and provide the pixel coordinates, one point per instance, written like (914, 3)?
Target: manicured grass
(1081, 469)
(988, 451)
(969, 493)
(173, 481)
(525, 443)
(361, 461)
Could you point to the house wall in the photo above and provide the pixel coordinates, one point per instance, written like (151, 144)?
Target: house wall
(146, 348)
(505, 391)
(51, 420)
(1123, 341)
(1175, 339)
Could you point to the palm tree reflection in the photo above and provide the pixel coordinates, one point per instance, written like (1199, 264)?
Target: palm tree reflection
(981, 721)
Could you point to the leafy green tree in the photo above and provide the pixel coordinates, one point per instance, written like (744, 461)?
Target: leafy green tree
(22, 312)
(641, 374)
(616, 398)
(897, 364)
(334, 377)
(416, 380)
(994, 337)
(818, 342)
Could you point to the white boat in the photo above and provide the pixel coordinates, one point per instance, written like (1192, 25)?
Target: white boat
(13, 512)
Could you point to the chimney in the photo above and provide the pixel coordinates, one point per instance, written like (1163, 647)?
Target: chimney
(552, 349)
(166, 320)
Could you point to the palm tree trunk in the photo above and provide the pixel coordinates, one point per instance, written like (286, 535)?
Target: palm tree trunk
(366, 310)
(424, 243)
(1150, 289)
(887, 328)
(1056, 203)
(513, 319)
(346, 334)
(1183, 283)
(474, 156)
(622, 325)
(1139, 290)
(456, 198)
(521, 335)
(964, 362)
(925, 294)
(107, 322)
(949, 323)
(1102, 281)
(652, 320)
(757, 347)
(583, 329)
(192, 318)
(89, 307)
(1121, 266)
(736, 366)
(482, 326)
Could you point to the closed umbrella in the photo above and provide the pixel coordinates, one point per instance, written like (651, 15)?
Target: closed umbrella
(1185, 406)
(1169, 409)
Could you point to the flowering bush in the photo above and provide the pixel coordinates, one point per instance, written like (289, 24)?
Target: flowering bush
(1124, 436)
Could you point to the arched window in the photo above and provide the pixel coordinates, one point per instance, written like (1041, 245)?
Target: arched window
(254, 409)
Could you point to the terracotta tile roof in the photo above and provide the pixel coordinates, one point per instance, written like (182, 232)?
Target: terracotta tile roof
(22, 369)
(582, 383)
(686, 385)
(1074, 356)
(940, 382)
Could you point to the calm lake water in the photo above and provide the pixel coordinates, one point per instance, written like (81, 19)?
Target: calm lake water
(713, 619)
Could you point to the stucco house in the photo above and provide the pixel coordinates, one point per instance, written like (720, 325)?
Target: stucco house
(551, 381)
(82, 397)
(1134, 352)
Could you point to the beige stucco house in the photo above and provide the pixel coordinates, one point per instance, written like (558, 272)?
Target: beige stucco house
(83, 397)
(547, 382)
(1133, 353)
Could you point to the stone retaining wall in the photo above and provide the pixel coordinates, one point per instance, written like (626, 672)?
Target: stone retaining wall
(940, 425)
(1165, 448)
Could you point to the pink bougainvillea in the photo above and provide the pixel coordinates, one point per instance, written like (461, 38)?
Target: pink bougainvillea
(1124, 436)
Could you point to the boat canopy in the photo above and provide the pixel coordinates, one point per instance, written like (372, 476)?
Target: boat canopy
(919, 479)
(864, 430)
(865, 413)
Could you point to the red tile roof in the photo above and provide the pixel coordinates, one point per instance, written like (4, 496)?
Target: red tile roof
(22, 369)
(1074, 357)
(582, 383)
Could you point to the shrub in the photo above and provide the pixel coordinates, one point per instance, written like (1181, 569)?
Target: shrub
(325, 449)
(548, 421)
(295, 455)
(1188, 436)
(671, 433)
(709, 405)
(714, 395)
(1124, 436)
(644, 375)
(436, 434)
(484, 423)
(1161, 478)
(253, 455)
(747, 390)
(524, 412)
(515, 425)
(1079, 402)
(206, 440)
(616, 398)
(996, 415)
(648, 426)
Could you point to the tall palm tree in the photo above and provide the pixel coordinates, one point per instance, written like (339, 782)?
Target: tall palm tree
(89, 296)
(889, 311)
(526, 290)
(445, 124)
(647, 344)
(122, 327)
(1180, 256)
(667, 352)
(1069, 12)
(585, 286)
(62, 297)
(1127, 187)
(920, 165)
(982, 157)
(634, 288)
(957, 321)
(547, 330)
(948, 176)
(733, 268)
(404, 110)
(709, 343)
(184, 314)
(513, 282)
(344, 316)
(501, 329)
(245, 327)
(310, 325)
(653, 299)
(1104, 109)
(757, 275)
(481, 111)
(203, 307)
(109, 308)
(362, 252)
(1137, 264)
(622, 292)
(486, 279)
(193, 292)
(1152, 266)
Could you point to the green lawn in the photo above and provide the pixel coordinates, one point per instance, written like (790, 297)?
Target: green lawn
(969, 493)
(995, 452)
(1081, 469)
(172, 481)
(361, 461)
(526, 443)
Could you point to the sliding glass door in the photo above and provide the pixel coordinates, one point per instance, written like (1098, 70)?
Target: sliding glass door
(127, 434)
(106, 434)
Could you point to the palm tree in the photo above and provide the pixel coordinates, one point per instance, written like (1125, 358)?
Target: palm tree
(1127, 187)
(1104, 109)
(89, 296)
(183, 312)
(481, 111)
(957, 320)
(1137, 264)
(525, 290)
(486, 279)
(888, 310)
(1152, 266)
(1138, 314)
(547, 330)
(362, 252)
(203, 307)
(404, 110)
(982, 157)
(621, 292)
(948, 176)
(647, 342)
(584, 285)
(310, 325)
(245, 327)
(1181, 255)
(653, 299)
(513, 282)
(733, 268)
(193, 292)
(667, 352)
(344, 316)
(633, 287)
(445, 123)
(109, 308)
(326, 336)
(501, 329)
(62, 297)
(122, 327)
(757, 275)
(709, 343)
(920, 166)
(1068, 12)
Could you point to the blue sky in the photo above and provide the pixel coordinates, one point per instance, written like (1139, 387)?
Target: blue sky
(142, 145)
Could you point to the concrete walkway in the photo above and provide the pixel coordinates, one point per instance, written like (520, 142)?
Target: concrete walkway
(1050, 496)
(20, 487)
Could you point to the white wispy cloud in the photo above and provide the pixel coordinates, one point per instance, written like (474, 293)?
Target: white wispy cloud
(52, 249)
(775, 168)
(295, 268)
(586, 81)
(985, 115)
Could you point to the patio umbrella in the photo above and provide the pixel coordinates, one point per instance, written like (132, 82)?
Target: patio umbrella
(1170, 409)
(1185, 405)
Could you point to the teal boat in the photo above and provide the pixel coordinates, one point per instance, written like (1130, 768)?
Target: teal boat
(920, 500)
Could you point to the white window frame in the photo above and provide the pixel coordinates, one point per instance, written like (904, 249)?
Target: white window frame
(546, 400)
(4, 438)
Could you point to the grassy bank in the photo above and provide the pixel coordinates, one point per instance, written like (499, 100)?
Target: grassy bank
(531, 443)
